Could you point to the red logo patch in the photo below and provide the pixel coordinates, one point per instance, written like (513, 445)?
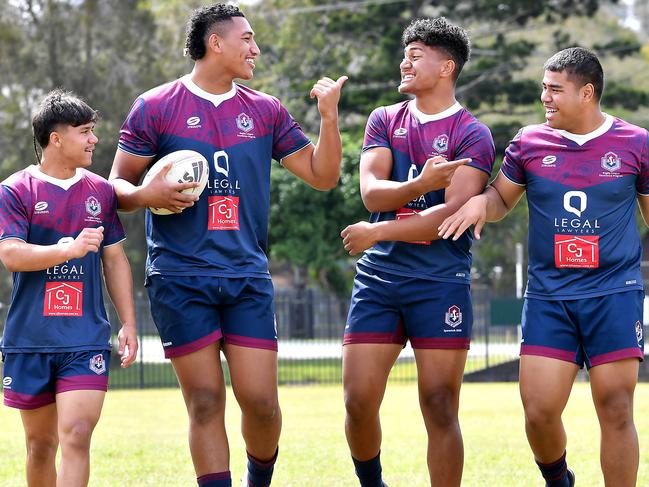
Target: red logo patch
(223, 213)
(576, 251)
(63, 299)
(407, 213)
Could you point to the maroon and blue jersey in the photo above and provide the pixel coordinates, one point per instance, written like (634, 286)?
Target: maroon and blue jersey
(581, 193)
(59, 309)
(413, 137)
(239, 133)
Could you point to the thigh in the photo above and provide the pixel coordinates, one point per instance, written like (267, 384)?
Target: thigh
(437, 315)
(611, 327)
(40, 423)
(29, 380)
(550, 330)
(374, 316)
(248, 313)
(79, 409)
(185, 312)
(200, 371)
(253, 372)
(545, 383)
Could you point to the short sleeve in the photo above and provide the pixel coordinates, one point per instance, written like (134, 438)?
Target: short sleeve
(139, 134)
(478, 144)
(14, 220)
(113, 229)
(376, 133)
(642, 183)
(288, 136)
(512, 167)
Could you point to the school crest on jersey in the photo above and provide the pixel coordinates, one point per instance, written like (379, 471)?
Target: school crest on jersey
(453, 316)
(93, 206)
(611, 162)
(440, 144)
(638, 331)
(245, 123)
(97, 364)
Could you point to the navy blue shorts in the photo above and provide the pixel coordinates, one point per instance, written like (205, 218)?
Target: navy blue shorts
(589, 331)
(192, 312)
(32, 380)
(388, 308)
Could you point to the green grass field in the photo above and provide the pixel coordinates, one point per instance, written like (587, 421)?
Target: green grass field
(141, 439)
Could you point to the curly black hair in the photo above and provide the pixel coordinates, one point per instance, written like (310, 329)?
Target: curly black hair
(441, 34)
(200, 24)
(59, 107)
(580, 64)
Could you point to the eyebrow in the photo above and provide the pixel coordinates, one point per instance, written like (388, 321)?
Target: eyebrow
(552, 85)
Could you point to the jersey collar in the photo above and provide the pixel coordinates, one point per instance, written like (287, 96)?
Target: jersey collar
(581, 139)
(198, 91)
(65, 184)
(425, 117)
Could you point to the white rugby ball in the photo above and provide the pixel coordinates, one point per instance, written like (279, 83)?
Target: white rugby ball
(187, 166)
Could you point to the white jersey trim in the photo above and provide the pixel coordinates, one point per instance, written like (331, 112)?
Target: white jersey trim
(581, 139)
(200, 92)
(295, 151)
(65, 184)
(511, 180)
(119, 147)
(12, 237)
(427, 117)
(115, 243)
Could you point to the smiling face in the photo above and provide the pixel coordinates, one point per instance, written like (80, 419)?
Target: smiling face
(237, 47)
(423, 67)
(76, 144)
(564, 100)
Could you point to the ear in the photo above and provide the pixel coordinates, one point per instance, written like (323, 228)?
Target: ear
(55, 139)
(448, 68)
(214, 42)
(587, 92)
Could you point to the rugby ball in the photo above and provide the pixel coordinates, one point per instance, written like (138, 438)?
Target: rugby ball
(187, 166)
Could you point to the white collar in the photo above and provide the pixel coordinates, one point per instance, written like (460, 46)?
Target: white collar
(581, 139)
(425, 117)
(61, 183)
(200, 92)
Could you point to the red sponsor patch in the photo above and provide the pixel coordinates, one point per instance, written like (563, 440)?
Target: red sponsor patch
(407, 213)
(63, 298)
(223, 213)
(576, 251)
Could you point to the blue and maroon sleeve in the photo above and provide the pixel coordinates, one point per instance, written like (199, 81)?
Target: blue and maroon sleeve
(138, 134)
(376, 133)
(14, 221)
(642, 183)
(288, 136)
(478, 144)
(113, 231)
(513, 167)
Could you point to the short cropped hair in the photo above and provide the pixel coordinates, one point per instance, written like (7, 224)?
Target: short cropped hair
(439, 33)
(581, 65)
(58, 108)
(200, 25)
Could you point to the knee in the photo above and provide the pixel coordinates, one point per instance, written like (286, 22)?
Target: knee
(42, 449)
(77, 435)
(615, 410)
(359, 405)
(204, 405)
(263, 408)
(439, 406)
(539, 414)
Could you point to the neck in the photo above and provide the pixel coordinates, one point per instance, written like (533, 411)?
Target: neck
(209, 78)
(435, 101)
(587, 123)
(56, 168)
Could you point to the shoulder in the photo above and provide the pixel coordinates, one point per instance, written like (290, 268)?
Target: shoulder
(472, 124)
(626, 129)
(17, 180)
(256, 96)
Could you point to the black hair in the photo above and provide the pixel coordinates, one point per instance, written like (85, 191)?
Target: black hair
(439, 33)
(59, 107)
(200, 24)
(580, 64)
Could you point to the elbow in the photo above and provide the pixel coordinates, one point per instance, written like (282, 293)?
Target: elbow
(326, 184)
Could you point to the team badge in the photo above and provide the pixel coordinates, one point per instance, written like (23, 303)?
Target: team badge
(611, 162)
(98, 364)
(440, 144)
(93, 206)
(453, 317)
(245, 123)
(638, 330)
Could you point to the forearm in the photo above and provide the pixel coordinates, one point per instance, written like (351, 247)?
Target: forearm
(416, 227)
(119, 283)
(497, 209)
(386, 195)
(129, 196)
(327, 155)
(19, 256)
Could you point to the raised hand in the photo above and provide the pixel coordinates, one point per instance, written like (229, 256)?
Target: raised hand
(89, 240)
(327, 91)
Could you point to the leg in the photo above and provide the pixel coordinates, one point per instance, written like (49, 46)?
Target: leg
(612, 386)
(42, 441)
(439, 375)
(78, 413)
(545, 386)
(365, 373)
(203, 387)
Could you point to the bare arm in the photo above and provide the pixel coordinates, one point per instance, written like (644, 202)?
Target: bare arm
(492, 205)
(466, 182)
(643, 203)
(319, 166)
(157, 192)
(119, 283)
(380, 193)
(19, 256)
